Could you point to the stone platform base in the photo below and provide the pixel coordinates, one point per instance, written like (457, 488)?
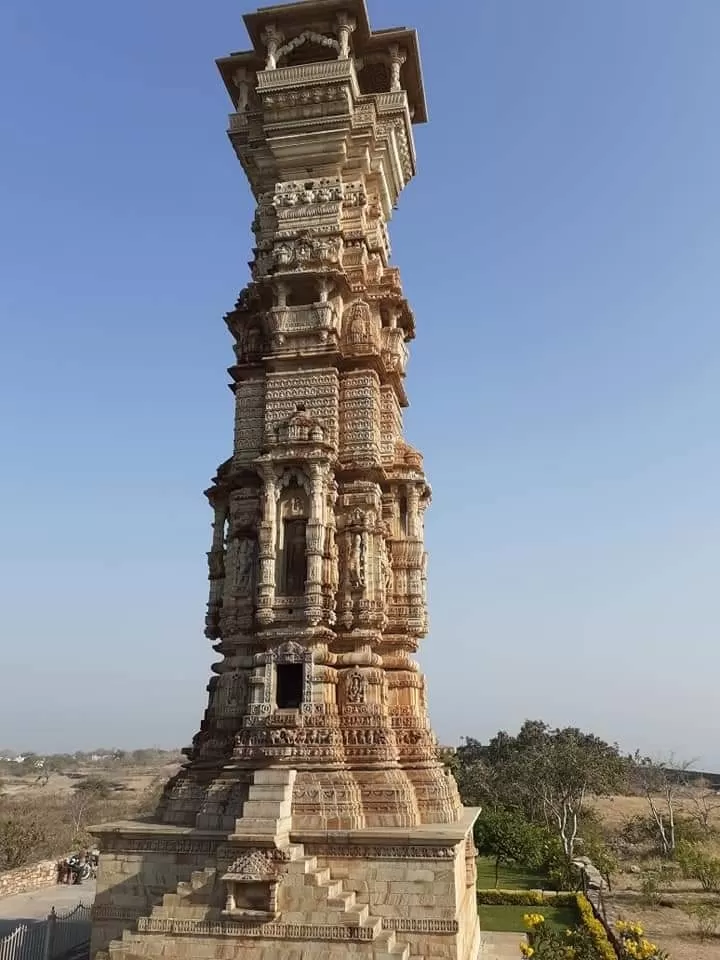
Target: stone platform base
(177, 892)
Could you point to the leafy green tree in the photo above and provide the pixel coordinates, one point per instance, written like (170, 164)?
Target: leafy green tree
(548, 774)
(508, 837)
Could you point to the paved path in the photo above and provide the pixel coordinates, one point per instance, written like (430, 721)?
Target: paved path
(38, 904)
(500, 946)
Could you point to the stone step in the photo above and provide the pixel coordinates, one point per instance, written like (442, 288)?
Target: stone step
(356, 918)
(319, 877)
(302, 865)
(270, 791)
(169, 901)
(387, 948)
(281, 776)
(397, 953)
(266, 809)
(343, 901)
(333, 888)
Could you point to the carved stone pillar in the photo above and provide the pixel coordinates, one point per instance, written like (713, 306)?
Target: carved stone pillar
(413, 508)
(272, 38)
(346, 25)
(315, 544)
(266, 588)
(397, 59)
(216, 572)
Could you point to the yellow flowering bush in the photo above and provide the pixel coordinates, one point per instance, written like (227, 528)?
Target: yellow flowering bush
(588, 941)
(604, 950)
(634, 945)
(545, 943)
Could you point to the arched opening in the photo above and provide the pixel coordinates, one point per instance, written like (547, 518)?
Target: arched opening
(308, 52)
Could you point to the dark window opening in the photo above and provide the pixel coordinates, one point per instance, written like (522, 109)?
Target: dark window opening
(403, 516)
(289, 686)
(303, 293)
(374, 78)
(308, 52)
(295, 558)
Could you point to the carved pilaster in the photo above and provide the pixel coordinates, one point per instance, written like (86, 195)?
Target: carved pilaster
(267, 539)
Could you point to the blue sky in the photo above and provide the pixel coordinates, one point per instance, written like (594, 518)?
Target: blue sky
(560, 247)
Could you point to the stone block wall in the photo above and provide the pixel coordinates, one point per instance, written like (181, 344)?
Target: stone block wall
(32, 877)
(132, 879)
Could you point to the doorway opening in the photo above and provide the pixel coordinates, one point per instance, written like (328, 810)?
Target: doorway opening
(289, 686)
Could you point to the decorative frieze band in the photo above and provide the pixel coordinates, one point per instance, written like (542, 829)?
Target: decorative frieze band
(380, 853)
(120, 844)
(404, 925)
(266, 931)
(126, 914)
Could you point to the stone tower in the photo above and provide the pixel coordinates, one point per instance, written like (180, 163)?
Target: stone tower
(313, 806)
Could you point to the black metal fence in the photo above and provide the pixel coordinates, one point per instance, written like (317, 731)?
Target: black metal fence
(61, 936)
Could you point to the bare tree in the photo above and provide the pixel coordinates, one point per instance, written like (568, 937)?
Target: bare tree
(703, 800)
(663, 784)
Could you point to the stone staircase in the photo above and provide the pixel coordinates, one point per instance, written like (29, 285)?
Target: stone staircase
(310, 895)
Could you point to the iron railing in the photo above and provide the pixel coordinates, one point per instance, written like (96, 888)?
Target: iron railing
(61, 936)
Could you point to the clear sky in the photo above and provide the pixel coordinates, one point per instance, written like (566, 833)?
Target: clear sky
(561, 247)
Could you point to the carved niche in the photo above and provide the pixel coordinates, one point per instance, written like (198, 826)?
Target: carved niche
(359, 329)
(276, 662)
(251, 888)
(293, 514)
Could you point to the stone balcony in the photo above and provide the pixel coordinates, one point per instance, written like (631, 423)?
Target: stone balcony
(314, 318)
(326, 71)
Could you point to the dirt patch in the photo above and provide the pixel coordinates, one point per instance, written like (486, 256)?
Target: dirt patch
(673, 931)
(131, 780)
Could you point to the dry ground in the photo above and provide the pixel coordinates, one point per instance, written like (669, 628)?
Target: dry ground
(668, 925)
(134, 780)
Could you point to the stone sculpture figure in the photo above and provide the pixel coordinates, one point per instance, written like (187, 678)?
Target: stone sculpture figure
(244, 563)
(357, 565)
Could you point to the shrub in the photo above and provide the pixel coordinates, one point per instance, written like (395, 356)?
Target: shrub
(21, 841)
(596, 931)
(525, 898)
(706, 917)
(634, 945)
(547, 944)
(650, 887)
(698, 865)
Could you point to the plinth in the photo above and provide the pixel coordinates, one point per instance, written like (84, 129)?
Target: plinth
(264, 894)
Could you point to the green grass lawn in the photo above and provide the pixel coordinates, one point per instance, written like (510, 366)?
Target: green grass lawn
(509, 919)
(509, 877)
